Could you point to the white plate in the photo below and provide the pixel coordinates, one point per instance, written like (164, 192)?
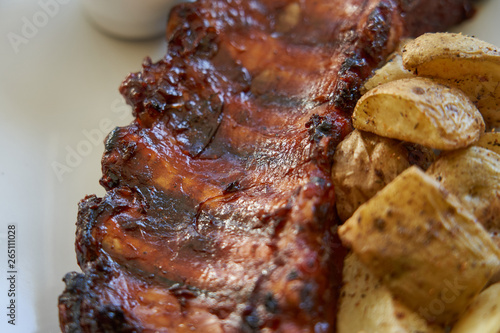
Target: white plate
(58, 98)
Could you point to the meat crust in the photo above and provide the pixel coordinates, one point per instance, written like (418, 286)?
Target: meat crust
(219, 213)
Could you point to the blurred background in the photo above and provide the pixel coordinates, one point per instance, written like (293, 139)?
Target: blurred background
(59, 79)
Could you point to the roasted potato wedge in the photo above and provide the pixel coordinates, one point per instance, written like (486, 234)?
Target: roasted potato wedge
(427, 249)
(490, 140)
(473, 176)
(421, 111)
(391, 71)
(364, 163)
(465, 62)
(483, 315)
(366, 305)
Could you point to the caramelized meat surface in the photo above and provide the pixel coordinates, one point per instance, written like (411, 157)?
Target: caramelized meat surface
(219, 213)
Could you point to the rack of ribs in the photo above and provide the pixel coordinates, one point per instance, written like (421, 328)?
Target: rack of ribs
(219, 214)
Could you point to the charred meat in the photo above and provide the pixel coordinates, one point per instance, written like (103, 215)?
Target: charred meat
(220, 214)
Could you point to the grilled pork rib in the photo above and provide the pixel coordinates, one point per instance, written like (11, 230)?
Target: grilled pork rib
(219, 213)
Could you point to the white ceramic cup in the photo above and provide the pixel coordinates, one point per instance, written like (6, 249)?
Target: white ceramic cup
(130, 19)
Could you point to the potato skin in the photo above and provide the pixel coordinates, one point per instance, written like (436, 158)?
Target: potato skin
(423, 239)
(483, 315)
(445, 45)
(470, 64)
(364, 163)
(421, 111)
(490, 140)
(392, 70)
(367, 305)
(473, 176)
(421, 242)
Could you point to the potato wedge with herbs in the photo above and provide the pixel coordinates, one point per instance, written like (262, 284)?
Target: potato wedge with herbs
(392, 70)
(473, 176)
(366, 305)
(428, 250)
(483, 315)
(421, 111)
(465, 62)
(490, 140)
(364, 163)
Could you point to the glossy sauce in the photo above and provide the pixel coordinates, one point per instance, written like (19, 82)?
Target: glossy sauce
(220, 212)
